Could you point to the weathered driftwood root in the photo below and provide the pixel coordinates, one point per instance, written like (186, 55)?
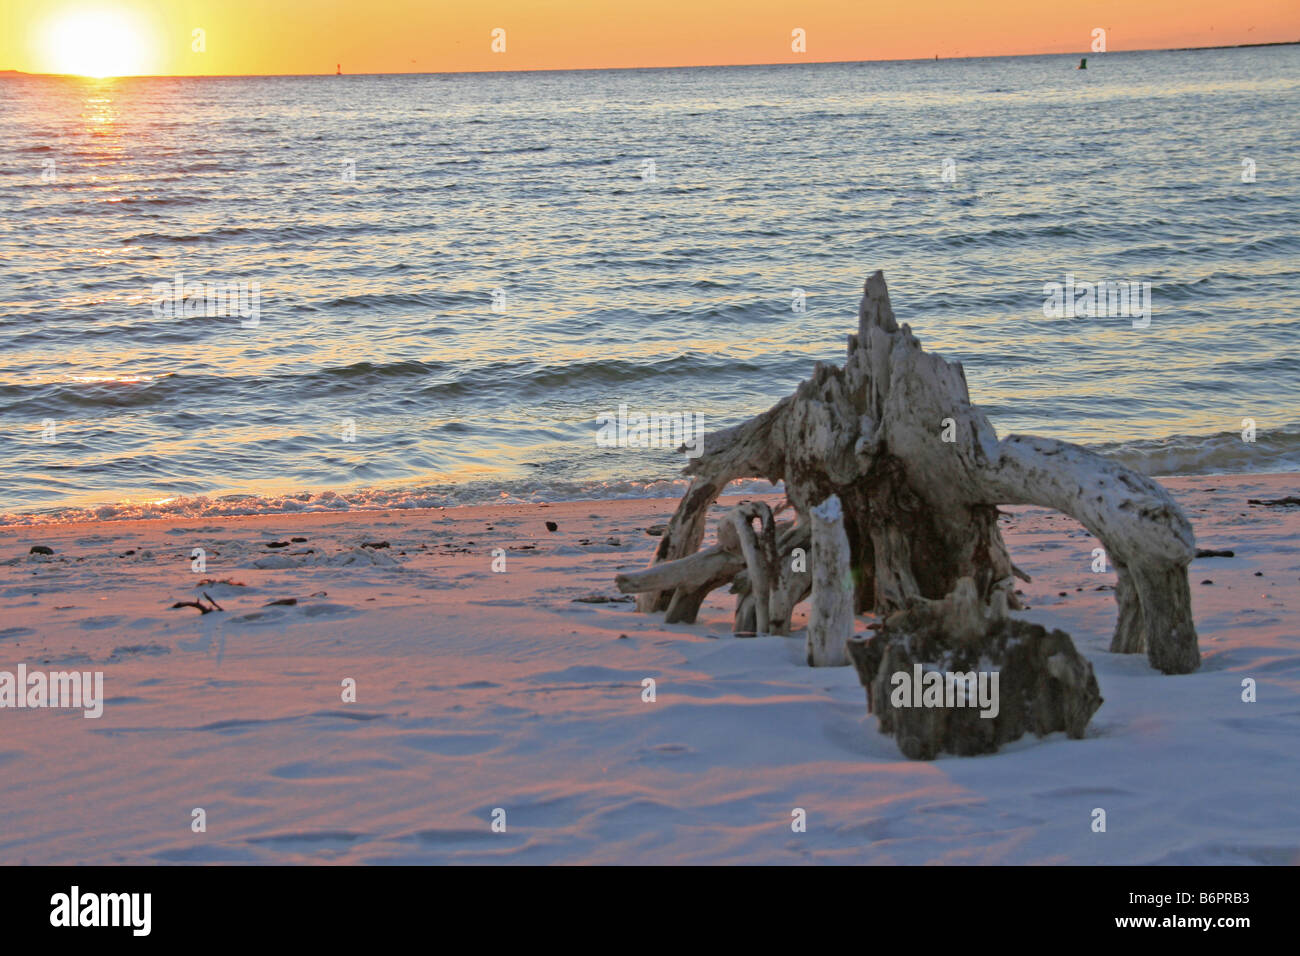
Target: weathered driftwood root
(797, 588)
(1144, 532)
(830, 618)
(690, 579)
(948, 677)
(919, 473)
(767, 576)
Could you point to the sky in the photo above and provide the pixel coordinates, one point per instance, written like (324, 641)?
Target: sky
(111, 37)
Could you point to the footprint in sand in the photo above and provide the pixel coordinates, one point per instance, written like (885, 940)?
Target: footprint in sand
(99, 623)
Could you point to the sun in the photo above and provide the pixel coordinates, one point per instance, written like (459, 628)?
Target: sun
(98, 43)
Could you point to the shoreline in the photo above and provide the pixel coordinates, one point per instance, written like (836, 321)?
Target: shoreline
(752, 488)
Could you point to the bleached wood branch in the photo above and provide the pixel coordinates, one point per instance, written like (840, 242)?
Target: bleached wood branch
(830, 619)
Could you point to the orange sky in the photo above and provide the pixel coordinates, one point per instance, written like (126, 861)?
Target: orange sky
(394, 36)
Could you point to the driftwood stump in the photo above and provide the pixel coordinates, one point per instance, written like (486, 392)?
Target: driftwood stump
(951, 676)
(919, 473)
(830, 618)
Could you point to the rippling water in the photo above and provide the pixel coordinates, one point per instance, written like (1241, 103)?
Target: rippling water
(666, 287)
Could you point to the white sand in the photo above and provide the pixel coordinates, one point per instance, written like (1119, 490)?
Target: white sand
(480, 690)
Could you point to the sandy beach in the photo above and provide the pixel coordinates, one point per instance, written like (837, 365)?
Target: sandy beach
(523, 690)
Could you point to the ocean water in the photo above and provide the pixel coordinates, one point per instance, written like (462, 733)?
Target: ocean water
(468, 269)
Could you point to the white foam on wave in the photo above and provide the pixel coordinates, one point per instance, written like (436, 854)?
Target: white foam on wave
(1223, 453)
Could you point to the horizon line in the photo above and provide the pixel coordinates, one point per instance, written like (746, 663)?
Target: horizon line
(682, 66)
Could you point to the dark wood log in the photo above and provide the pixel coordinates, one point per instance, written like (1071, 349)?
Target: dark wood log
(944, 677)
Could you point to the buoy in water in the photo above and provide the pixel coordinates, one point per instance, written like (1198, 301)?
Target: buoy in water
(1083, 63)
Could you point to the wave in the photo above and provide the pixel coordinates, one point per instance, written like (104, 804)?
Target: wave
(427, 381)
(387, 300)
(1222, 453)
